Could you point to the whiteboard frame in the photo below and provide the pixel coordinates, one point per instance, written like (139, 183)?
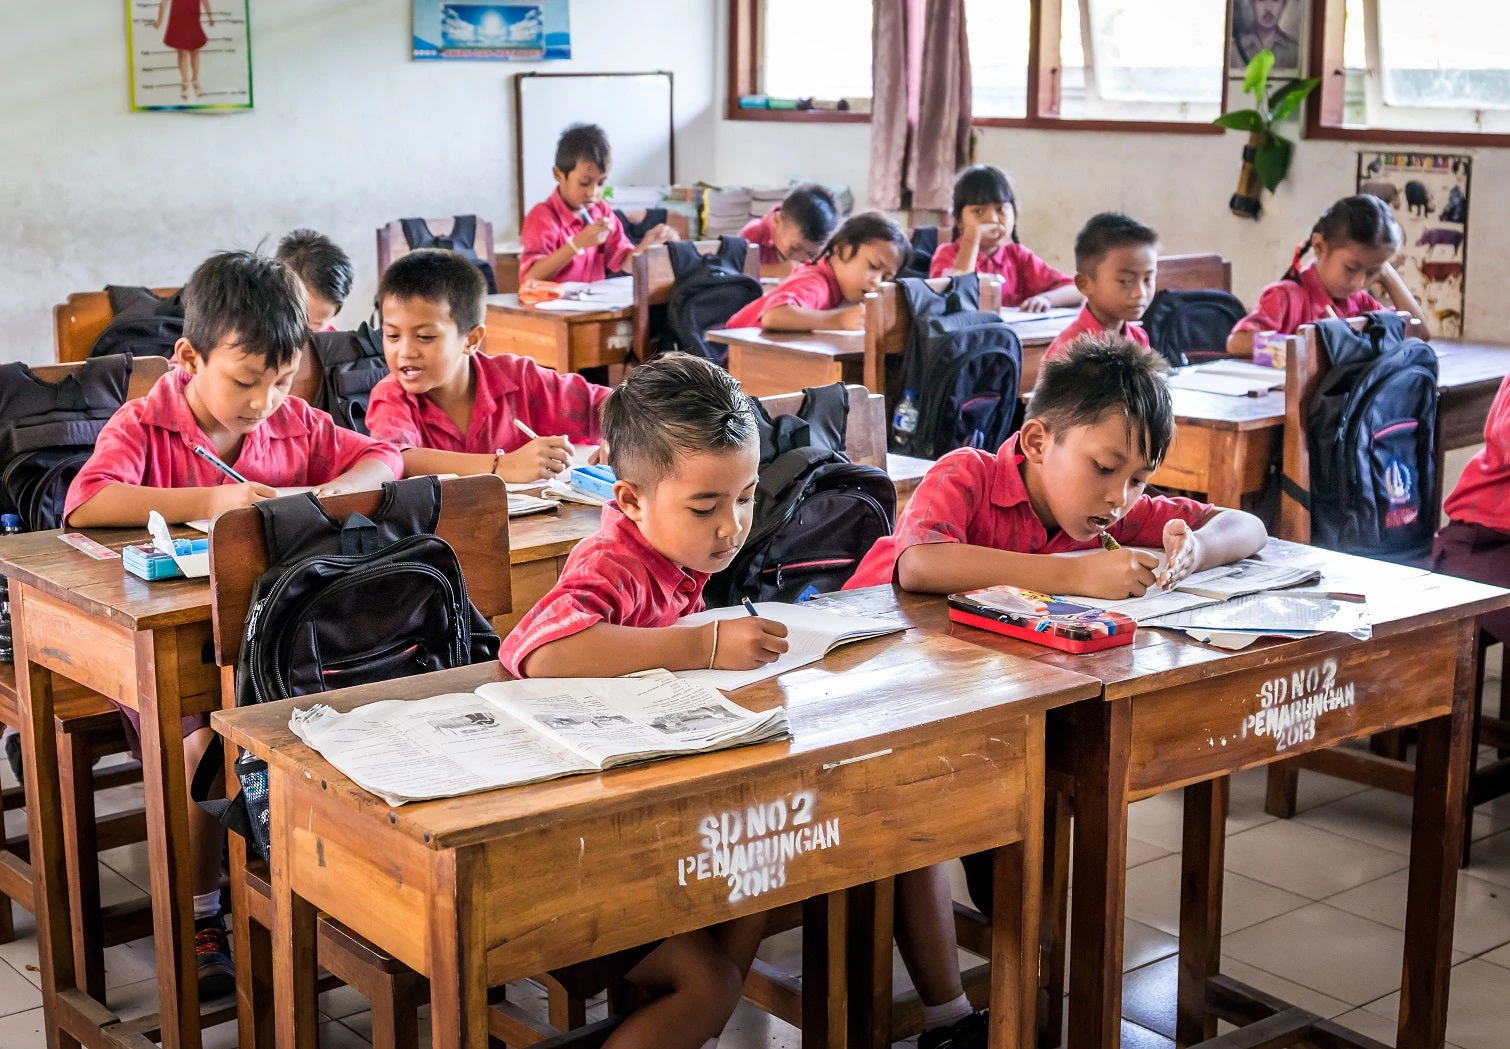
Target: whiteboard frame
(519, 79)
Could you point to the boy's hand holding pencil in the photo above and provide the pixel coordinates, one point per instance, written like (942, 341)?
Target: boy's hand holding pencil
(1115, 573)
(542, 457)
(746, 643)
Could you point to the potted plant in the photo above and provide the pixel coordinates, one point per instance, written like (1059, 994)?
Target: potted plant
(1266, 159)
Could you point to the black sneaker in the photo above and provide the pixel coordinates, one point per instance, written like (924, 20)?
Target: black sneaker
(968, 1032)
(13, 754)
(212, 956)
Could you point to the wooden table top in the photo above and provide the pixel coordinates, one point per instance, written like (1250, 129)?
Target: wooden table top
(840, 345)
(845, 706)
(509, 303)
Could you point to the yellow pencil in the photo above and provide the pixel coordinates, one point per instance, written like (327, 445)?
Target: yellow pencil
(1108, 543)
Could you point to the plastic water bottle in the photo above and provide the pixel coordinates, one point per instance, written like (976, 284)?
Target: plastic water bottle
(905, 419)
(10, 524)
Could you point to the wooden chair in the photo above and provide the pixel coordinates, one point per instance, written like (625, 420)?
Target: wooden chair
(89, 728)
(392, 245)
(78, 321)
(1193, 273)
(653, 281)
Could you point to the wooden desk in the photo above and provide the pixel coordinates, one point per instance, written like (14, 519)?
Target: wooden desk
(1180, 714)
(473, 892)
(145, 645)
(567, 342)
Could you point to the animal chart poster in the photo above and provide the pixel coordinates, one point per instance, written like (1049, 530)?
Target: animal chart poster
(189, 54)
(1428, 193)
(519, 32)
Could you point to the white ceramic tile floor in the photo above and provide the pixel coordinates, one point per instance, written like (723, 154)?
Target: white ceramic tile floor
(1331, 881)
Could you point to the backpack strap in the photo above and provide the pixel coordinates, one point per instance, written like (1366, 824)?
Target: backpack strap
(787, 468)
(291, 523)
(1385, 328)
(408, 507)
(1341, 343)
(963, 293)
(463, 232)
(825, 409)
(684, 258)
(733, 251)
(417, 233)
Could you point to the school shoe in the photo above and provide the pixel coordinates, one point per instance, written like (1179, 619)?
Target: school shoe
(212, 957)
(968, 1032)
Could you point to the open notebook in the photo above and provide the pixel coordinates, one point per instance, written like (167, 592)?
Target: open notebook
(811, 634)
(512, 732)
(1223, 583)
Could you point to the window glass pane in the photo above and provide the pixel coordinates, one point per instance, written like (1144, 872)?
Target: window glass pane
(815, 48)
(1163, 56)
(1449, 53)
(998, 32)
(1354, 45)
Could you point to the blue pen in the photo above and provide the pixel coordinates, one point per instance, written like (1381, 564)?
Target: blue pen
(215, 461)
(749, 606)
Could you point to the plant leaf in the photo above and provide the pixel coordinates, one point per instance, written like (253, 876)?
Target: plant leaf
(1289, 97)
(1272, 160)
(1256, 79)
(1241, 120)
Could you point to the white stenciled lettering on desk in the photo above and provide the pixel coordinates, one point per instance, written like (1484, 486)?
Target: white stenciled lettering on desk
(749, 848)
(1290, 703)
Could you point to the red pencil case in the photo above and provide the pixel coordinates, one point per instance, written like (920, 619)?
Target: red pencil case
(1042, 619)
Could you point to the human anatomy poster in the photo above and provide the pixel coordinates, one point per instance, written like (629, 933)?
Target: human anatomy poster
(1428, 193)
(518, 32)
(189, 54)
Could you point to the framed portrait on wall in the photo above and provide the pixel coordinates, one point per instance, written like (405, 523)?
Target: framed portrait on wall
(189, 54)
(1276, 25)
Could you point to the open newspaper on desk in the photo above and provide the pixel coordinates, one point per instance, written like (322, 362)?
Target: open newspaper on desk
(511, 732)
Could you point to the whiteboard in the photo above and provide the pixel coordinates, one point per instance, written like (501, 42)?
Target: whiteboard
(634, 109)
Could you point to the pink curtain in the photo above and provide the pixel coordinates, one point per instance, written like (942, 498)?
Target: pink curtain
(920, 102)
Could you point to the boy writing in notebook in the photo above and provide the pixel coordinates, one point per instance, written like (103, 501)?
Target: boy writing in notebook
(454, 409)
(1116, 264)
(244, 327)
(683, 442)
(573, 234)
(1097, 427)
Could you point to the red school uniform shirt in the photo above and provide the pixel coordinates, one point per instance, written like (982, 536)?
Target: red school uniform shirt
(1481, 494)
(613, 576)
(972, 496)
(1023, 274)
(812, 287)
(1287, 304)
(551, 223)
(1087, 322)
(761, 232)
(150, 442)
(508, 388)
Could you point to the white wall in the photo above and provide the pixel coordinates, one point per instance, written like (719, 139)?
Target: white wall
(348, 133)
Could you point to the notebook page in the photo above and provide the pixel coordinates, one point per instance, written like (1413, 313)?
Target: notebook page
(811, 633)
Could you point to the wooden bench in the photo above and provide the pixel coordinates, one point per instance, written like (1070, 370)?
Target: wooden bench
(78, 321)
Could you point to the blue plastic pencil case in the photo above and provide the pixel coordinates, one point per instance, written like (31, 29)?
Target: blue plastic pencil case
(147, 562)
(594, 480)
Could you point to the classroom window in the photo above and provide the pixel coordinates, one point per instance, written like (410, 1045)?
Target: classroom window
(1141, 59)
(999, 32)
(814, 49)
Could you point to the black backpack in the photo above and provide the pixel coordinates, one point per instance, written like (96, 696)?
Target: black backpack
(957, 386)
(143, 325)
(351, 363)
(461, 239)
(925, 241)
(816, 513)
(1189, 327)
(48, 430)
(636, 231)
(709, 290)
(1372, 438)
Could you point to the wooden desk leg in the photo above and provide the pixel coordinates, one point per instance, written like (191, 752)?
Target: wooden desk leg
(1436, 842)
(825, 942)
(1229, 450)
(1201, 861)
(79, 840)
(1101, 743)
(871, 924)
(161, 708)
(1016, 895)
(293, 932)
(1054, 921)
(44, 824)
(458, 955)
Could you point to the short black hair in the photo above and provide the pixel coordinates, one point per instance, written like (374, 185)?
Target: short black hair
(677, 404)
(1103, 233)
(1101, 372)
(582, 142)
(436, 275)
(323, 267)
(865, 227)
(813, 209)
(256, 301)
(983, 184)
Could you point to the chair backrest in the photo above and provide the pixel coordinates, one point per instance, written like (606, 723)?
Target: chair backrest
(392, 245)
(145, 371)
(652, 278)
(1193, 273)
(887, 324)
(471, 520)
(865, 434)
(77, 322)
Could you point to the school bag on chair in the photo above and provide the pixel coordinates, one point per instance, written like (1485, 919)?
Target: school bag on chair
(1188, 327)
(461, 239)
(957, 386)
(925, 241)
(709, 290)
(816, 513)
(636, 231)
(351, 363)
(346, 603)
(142, 324)
(1372, 437)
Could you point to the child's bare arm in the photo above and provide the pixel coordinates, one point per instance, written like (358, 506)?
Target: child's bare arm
(606, 650)
(421, 461)
(1401, 298)
(366, 475)
(1064, 295)
(799, 318)
(947, 568)
(1227, 536)
(127, 505)
(1240, 344)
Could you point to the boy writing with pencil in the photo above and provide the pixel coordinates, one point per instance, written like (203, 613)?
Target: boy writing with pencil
(454, 409)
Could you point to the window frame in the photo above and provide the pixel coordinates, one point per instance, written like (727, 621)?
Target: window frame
(1043, 101)
(1325, 109)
